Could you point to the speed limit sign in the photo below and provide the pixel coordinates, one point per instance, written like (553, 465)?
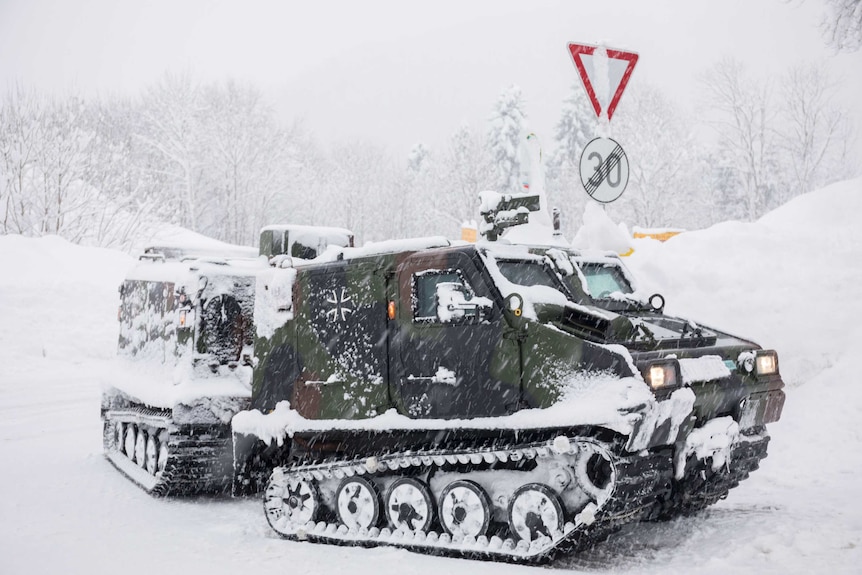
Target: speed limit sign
(604, 170)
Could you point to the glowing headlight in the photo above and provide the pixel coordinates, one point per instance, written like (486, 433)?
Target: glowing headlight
(767, 362)
(663, 375)
(656, 376)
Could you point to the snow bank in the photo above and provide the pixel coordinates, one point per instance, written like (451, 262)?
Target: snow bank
(789, 281)
(58, 301)
(599, 232)
(169, 235)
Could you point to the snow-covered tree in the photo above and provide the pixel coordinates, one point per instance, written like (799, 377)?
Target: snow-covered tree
(576, 127)
(842, 25)
(125, 204)
(504, 137)
(361, 185)
(172, 111)
(467, 168)
(574, 130)
(44, 147)
(412, 198)
(744, 120)
(656, 137)
(21, 114)
(244, 154)
(815, 131)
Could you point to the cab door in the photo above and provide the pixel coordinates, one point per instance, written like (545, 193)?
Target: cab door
(449, 357)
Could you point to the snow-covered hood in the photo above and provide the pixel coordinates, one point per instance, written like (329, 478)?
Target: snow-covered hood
(646, 331)
(659, 331)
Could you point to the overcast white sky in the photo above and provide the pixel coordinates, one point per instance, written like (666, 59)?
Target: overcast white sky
(401, 72)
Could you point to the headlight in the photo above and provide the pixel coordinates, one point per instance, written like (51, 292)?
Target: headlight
(767, 362)
(663, 374)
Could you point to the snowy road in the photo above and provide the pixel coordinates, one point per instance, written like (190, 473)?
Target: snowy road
(64, 509)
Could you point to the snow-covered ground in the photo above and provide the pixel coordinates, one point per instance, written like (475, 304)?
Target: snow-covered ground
(791, 281)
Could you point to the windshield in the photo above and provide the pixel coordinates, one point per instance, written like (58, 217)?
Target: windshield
(528, 274)
(604, 279)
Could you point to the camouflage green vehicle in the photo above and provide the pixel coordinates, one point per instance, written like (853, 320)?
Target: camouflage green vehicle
(488, 400)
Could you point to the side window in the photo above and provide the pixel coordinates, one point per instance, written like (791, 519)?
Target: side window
(425, 292)
(443, 296)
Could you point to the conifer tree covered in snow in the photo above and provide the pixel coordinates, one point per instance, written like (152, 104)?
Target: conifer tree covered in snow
(412, 207)
(504, 137)
(574, 130)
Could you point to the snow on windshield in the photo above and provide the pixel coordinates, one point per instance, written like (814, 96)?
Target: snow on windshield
(531, 293)
(528, 273)
(532, 277)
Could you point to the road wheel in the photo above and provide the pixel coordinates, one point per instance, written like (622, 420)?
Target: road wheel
(465, 509)
(163, 453)
(409, 505)
(119, 436)
(152, 454)
(535, 511)
(141, 448)
(131, 439)
(290, 503)
(358, 504)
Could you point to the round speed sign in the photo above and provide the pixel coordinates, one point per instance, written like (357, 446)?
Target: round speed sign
(604, 170)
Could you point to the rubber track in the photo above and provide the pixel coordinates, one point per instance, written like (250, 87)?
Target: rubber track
(200, 458)
(639, 479)
(702, 487)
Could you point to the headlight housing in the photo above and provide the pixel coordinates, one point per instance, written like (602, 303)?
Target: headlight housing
(186, 318)
(766, 362)
(663, 374)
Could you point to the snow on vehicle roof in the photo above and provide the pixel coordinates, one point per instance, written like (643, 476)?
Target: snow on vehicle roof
(175, 252)
(320, 230)
(177, 271)
(334, 253)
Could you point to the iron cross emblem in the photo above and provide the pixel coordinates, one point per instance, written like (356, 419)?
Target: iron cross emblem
(340, 308)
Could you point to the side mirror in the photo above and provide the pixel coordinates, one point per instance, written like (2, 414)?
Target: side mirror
(455, 302)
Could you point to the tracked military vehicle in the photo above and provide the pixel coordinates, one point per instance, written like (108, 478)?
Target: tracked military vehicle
(494, 401)
(185, 358)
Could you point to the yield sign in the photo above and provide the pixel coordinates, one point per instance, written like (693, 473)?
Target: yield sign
(605, 73)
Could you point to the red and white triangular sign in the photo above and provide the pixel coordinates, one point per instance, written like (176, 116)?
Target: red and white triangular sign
(605, 73)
